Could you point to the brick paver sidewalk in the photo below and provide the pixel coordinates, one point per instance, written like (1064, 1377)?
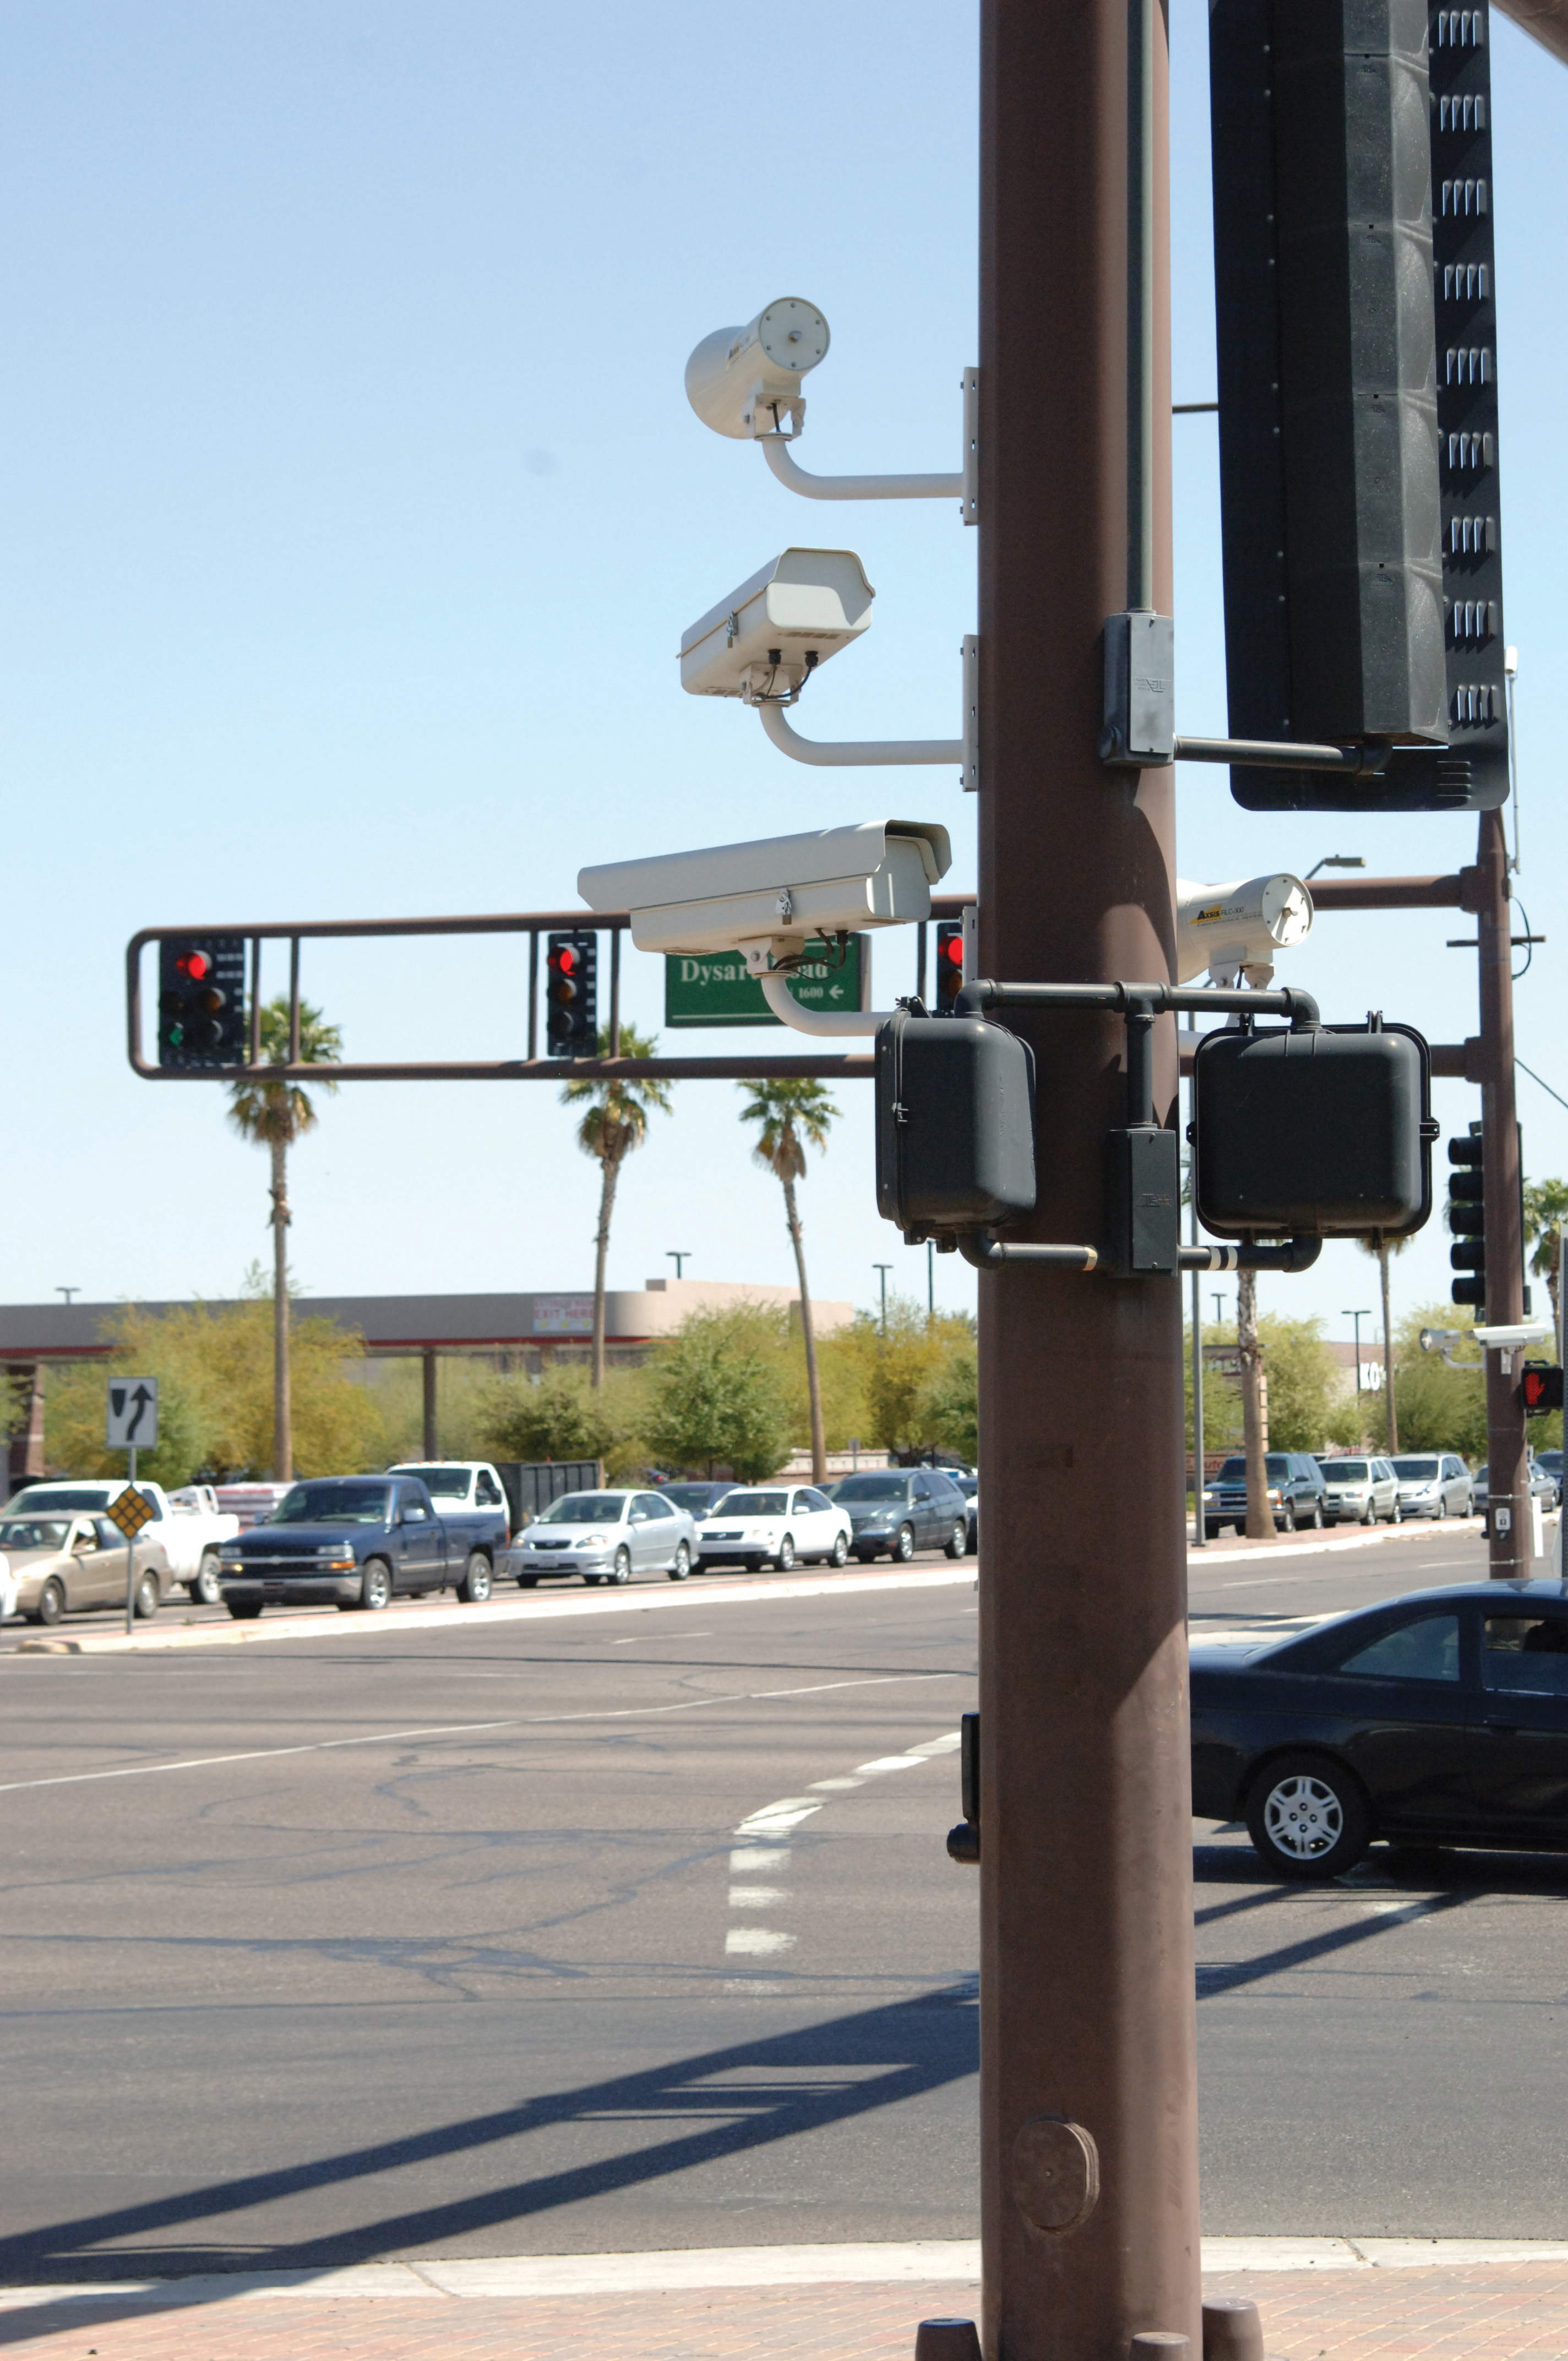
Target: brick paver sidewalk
(1491, 2312)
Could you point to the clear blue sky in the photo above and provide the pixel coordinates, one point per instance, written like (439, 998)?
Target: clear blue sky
(352, 510)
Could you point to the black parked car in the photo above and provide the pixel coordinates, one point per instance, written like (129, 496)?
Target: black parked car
(1295, 1491)
(901, 1509)
(1438, 1717)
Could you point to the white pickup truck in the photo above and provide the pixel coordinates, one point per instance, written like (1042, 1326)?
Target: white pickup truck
(186, 1531)
(459, 1487)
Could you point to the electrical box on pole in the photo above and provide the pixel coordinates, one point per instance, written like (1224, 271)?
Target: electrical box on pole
(1358, 384)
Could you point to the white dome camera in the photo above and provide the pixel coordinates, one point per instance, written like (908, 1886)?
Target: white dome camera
(1235, 930)
(745, 381)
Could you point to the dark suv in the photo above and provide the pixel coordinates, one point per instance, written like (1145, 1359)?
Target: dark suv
(901, 1509)
(1296, 1489)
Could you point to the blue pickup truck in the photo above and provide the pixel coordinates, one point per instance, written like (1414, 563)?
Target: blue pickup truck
(357, 1540)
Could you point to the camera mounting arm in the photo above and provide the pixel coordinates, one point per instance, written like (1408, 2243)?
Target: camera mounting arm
(857, 751)
(776, 451)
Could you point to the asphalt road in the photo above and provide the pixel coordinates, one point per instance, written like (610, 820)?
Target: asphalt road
(543, 1936)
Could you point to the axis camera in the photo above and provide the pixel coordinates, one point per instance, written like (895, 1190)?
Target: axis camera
(744, 381)
(1236, 929)
(764, 641)
(772, 898)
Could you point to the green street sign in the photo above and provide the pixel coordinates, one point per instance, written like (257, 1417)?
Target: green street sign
(716, 989)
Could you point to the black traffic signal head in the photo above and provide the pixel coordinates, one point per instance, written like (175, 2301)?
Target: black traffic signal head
(950, 965)
(1466, 1218)
(1317, 1133)
(1540, 1389)
(571, 1023)
(955, 1125)
(201, 1001)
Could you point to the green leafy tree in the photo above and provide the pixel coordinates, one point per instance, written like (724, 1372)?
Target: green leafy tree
(615, 1120)
(562, 1415)
(719, 1396)
(793, 1116)
(274, 1115)
(893, 1380)
(949, 1409)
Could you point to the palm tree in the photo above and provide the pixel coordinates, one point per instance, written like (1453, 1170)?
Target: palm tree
(1249, 1349)
(789, 1113)
(274, 1115)
(1381, 1248)
(1545, 1205)
(614, 1122)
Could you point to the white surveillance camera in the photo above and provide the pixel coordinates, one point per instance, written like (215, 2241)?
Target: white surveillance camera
(746, 381)
(761, 641)
(770, 899)
(1236, 929)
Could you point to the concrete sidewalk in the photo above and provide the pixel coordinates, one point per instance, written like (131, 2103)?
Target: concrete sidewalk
(1353, 2301)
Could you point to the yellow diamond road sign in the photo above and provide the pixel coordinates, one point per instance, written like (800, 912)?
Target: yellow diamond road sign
(130, 1512)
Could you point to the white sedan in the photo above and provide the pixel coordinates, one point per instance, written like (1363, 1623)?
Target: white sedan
(606, 1537)
(786, 1525)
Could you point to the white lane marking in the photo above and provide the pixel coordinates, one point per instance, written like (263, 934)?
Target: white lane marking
(771, 1824)
(635, 1639)
(947, 1745)
(758, 1898)
(461, 1730)
(886, 1763)
(758, 1941)
(747, 1859)
(832, 1786)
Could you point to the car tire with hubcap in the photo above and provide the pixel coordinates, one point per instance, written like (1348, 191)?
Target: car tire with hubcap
(475, 1586)
(144, 1598)
(207, 1588)
(683, 1564)
(51, 1603)
(1396, 1514)
(1440, 1510)
(621, 1570)
(784, 1556)
(1317, 1516)
(956, 1542)
(839, 1552)
(375, 1585)
(904, 1546)
(1307, 1818)
(1288, 1518)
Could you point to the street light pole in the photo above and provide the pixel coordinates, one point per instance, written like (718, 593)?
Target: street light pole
(680, 1260)
(1089, 2170)
(1358, 1317)
(884, 1267)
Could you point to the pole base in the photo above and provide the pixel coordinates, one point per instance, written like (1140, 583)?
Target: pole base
(947, 2340)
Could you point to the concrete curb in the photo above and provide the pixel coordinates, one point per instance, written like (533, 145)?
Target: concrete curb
(918, 2261)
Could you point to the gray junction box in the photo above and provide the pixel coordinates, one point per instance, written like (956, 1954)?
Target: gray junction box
(955, 1125)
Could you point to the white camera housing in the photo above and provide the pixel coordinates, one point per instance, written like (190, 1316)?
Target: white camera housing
(1236, 929)
(770, 898)
(793, 614)
(745, 381)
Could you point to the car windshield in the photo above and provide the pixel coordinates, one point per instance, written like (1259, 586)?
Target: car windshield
(871, 1487)
(441, 1483)
(1233, 1472)
(753, 1504)
(35, 1534)
(79, 1496)
(1346, 1471)
(585, 1508)
(694, 1497)
(1415, 1470)
(1481, 1473)
(331, 1504)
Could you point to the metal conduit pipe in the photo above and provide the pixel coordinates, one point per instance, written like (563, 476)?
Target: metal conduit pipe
(871, 750)
(826, 1023)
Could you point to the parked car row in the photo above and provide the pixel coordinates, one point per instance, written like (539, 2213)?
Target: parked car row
(1337, 1488)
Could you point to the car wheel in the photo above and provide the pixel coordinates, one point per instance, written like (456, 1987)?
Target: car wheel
(375, 1585)
(475, 1586)
(1307, 1818)
(904, 1547)
(683, 1564)
(754, 1565)
(1396, 1514)
(206, 1587)
(1210, 1532)
(867, 1557)
(1369, 1514)
(958, 1542)
(839, 1553)
(784, 1561)
(1440, 1511)
(1317, 1516)
(144, 1600)
(621, 1570)
(1288, 1518)
(51, 1603)
(244, 1610)
(528, 1582)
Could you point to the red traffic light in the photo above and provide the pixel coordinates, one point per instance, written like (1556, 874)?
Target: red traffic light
(563, 959)
(195, 965)
(953, 949)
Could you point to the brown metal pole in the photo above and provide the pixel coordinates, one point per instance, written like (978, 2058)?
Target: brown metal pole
(1508, 1538)
(432, 1418)
(1088, 2117)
